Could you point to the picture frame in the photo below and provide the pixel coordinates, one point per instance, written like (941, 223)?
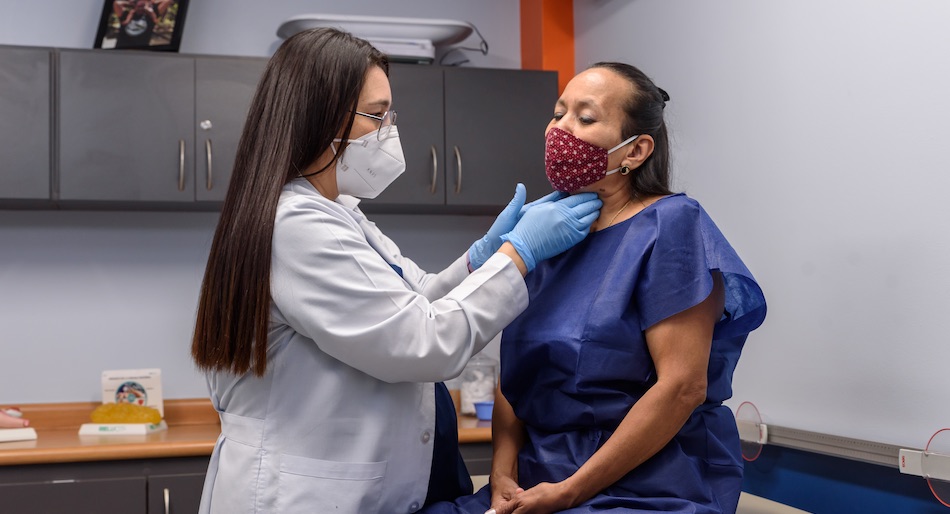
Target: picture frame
(154, 25)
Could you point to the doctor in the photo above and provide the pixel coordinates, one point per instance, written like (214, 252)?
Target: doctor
(319, 339)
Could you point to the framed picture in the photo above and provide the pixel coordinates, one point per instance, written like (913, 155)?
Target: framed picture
(142, 24)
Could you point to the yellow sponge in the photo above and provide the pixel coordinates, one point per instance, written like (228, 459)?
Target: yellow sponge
(108, 413)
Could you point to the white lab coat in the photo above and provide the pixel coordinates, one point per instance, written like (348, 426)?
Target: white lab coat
(344, 417)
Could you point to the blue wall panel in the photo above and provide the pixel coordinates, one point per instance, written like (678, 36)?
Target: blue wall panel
(830, 485)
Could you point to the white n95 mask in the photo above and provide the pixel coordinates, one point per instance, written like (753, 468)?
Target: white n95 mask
(369, 165)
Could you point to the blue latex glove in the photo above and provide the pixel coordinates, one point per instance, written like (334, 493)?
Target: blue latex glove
(552, 227)
(485, 247)
(557, 195)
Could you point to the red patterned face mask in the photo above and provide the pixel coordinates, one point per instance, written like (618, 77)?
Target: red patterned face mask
(571, 163)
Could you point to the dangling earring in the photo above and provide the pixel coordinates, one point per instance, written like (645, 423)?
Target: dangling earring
(624, 171)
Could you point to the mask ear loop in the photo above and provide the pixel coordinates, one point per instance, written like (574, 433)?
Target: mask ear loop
(355, 142)
(624, 143)
(363, 140)
(333, 149)
(624, 170)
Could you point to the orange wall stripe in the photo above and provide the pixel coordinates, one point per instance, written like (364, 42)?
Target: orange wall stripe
(547, 37)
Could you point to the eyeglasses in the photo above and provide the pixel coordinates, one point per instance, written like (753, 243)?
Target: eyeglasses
(386, 121)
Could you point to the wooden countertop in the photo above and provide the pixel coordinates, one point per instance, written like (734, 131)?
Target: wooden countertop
(193, 428)
(471, 430)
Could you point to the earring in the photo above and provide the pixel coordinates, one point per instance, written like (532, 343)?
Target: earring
(624, 171)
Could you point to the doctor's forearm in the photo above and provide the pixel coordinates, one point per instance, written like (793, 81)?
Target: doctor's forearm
(509, 250)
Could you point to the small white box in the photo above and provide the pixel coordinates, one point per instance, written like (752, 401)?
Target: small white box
(17, 434)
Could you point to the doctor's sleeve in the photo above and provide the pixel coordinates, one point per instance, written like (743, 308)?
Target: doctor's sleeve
(431, 285)
(332, 287)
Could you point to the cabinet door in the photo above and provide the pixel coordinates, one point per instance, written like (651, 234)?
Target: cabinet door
(126, 495)
(24, 123)
(494, 132)
(174, 494)
(477, 457)
(417, 99)
(126, 126)
(224, 88)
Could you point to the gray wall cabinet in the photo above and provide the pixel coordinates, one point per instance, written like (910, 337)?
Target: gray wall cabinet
(126, 127)
(25, 123)
(496, 121)
(224, 88)
(179, 493)
(136, 130)
(418, 99)
(470, 134)
(150, 486)
(71, 496)
(140, 127)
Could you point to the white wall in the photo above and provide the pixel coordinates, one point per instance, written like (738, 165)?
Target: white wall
(84, 292)
(814, 133)
(249, 27)
(81, 292)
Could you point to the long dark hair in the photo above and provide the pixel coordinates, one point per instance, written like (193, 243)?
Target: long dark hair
(309, 90)
(644, 111)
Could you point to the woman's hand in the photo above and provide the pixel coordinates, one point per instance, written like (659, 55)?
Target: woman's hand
(8, 421)
(543, 498)
(503, 490)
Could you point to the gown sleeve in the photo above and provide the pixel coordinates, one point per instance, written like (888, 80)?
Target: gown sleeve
(677, 274)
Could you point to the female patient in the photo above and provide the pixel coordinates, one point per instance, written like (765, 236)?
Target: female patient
(612, 379)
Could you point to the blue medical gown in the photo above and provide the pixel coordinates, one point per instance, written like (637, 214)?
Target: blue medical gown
(575, 362)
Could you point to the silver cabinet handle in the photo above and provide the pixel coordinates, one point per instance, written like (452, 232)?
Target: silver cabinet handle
(210, 182)
(167, 502)
(181, 164)
(435, 170)
(458, 162)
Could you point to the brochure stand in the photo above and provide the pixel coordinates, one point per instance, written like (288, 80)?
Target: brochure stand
(134, 386)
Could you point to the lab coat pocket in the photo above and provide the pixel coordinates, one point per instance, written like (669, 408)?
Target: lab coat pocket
(236, 477)
(313, 485)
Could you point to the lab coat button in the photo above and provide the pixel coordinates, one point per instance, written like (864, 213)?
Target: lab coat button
(426, 436)
(414, 507)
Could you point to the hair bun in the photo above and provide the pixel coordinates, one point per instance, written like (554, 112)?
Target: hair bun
(664, 95)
